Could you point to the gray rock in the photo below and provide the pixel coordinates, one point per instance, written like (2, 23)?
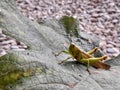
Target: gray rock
(43, 39)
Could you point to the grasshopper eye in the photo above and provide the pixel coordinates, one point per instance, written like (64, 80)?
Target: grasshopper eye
(72, 45)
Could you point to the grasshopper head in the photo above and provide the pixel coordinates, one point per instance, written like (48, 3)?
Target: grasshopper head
(72, 47)
(74, 50)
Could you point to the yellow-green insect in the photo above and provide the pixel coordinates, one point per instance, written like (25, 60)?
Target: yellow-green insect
(85, 57)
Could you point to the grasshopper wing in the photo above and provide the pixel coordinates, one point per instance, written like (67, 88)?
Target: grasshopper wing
(101, 65)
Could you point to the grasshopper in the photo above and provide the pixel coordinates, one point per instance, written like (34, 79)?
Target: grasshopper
(84, 57)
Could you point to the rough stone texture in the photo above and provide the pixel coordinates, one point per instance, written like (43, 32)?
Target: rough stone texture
(47, 37)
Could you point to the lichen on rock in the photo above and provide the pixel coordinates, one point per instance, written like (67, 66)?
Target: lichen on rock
(10, 72)
(70, 24)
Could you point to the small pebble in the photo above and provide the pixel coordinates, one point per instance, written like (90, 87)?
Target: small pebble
(2, 52)
(5, 47)
(8, 41)
(102, 43)
(111, 50)
(14, 47)
(109, 46)
(95, 15)
(18, 49)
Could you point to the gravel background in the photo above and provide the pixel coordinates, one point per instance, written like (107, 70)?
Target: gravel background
(97, 17)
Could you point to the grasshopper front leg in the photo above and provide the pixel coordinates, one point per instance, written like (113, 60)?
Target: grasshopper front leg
(64, 51)
(64, 60)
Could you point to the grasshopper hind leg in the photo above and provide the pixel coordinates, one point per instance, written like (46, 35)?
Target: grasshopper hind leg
(92, 51)
(88, 71)
(87, 62)
(88, 65)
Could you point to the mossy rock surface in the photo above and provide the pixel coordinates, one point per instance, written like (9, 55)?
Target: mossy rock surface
(43, 39)
(11, 71)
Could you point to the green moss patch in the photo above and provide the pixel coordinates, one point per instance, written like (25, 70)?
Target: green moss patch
(10, 72)
(70, 25)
